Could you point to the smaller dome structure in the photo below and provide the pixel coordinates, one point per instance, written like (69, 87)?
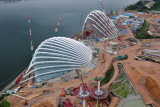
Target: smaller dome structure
(97, 24)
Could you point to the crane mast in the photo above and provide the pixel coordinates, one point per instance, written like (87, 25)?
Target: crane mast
(102, 6)
(105, 42)
(31, 43)
(56, 26)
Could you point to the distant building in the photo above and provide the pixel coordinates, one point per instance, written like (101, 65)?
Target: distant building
(150, 4)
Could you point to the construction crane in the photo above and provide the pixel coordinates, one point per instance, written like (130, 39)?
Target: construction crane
(88, 32)
(97, 104)
(56, 26)
(102, 6)
(32, 47)
(105, 42)
(84, 86)
(120, 38)
(81, 20)
(81, 80)
(103, 54)
(111, 12)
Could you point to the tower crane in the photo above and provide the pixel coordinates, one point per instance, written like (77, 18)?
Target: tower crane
(105, 42)
(56, 26)
(88, 32)
(80, 76)
(32, 47)
(102, 6)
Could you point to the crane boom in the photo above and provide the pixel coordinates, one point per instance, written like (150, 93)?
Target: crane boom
(102, 6)
(32, 47)
(105, 42)
(56, 26)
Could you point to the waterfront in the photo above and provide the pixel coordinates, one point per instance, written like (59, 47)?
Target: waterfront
(14, 42)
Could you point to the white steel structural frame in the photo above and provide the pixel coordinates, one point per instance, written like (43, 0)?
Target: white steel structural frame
(72, 53)
(99, 22)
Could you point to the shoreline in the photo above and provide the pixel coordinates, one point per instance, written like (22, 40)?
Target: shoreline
(13, 79)
(11, 83)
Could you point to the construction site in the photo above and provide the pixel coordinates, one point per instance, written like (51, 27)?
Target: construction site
(104, 65)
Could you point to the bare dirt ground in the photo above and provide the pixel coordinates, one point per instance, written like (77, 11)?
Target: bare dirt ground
(43, 104)
(153, 88)
(37, 94)
(137, 71)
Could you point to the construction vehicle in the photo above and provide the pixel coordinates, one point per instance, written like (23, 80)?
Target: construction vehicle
(62, 93)
(111, 12)
(18, 79)
(103, 60)
(120, 38)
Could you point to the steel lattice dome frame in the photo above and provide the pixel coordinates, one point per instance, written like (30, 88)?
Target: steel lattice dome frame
(97, 22)
(56, 56)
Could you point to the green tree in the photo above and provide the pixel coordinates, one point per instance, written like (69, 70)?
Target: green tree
(156, 6)
(4, 103)
(142, 33)
(108, 75)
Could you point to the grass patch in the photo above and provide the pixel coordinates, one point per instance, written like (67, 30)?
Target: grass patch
(117, 92)
(115, 85)
(127, 82)
(108, 75)
(121, 76)
(125, 93)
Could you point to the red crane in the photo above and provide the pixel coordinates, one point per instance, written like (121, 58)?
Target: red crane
(83, 84)
(105, 42)
(32, 47)
(18, 79)
(102, 6)
(56, 26)
(88, 32)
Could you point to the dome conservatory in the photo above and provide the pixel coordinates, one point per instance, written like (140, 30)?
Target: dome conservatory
(97, 24)
(57, 56)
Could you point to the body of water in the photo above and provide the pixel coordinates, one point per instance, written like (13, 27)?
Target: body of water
(15, 52)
